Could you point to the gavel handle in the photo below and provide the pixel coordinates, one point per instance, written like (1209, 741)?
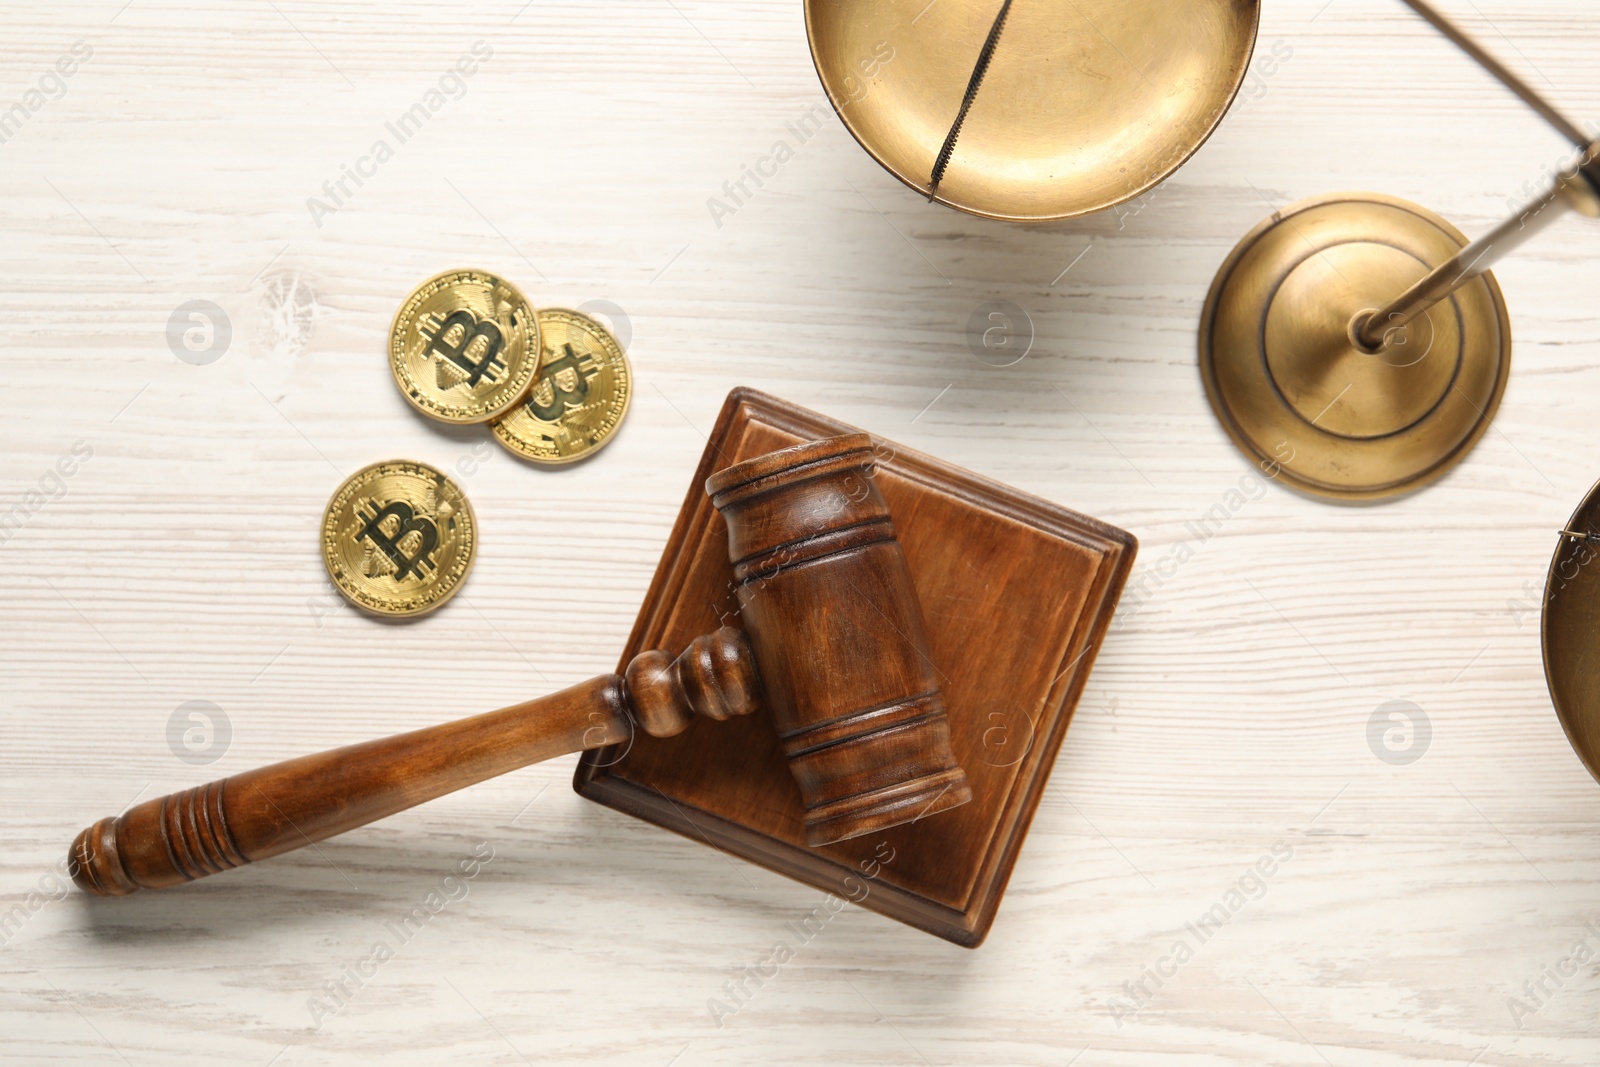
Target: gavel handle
(272, 810)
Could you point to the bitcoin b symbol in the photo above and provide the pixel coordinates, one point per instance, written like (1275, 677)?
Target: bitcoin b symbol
(406, 522)
(582, 367)
(457, 341)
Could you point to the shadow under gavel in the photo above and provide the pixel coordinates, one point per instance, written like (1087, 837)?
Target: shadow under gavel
(836, 650)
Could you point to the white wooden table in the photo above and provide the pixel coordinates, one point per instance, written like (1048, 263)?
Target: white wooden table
(1422, 904)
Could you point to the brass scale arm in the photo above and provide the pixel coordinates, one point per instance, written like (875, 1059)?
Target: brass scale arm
(1578, 190)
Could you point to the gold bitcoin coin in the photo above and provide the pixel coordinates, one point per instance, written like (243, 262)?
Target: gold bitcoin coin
(398, 538)
(579, 397)
(464, 346)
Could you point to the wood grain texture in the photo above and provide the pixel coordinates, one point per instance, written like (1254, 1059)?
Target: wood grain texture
(1227, 713)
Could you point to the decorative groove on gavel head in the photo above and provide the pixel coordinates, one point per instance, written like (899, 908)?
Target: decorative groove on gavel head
(838, 638)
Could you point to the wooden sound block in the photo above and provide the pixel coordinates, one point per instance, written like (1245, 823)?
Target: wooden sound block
(1017, 594)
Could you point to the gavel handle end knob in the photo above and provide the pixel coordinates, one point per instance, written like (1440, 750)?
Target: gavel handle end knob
(95, 863)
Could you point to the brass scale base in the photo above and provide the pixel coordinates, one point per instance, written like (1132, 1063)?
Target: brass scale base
(1298, 394)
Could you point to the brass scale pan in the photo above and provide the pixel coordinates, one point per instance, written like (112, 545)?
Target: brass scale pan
(1569, 627)
(1088, 103)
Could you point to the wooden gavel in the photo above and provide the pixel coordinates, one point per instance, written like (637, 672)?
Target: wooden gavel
(836, 651)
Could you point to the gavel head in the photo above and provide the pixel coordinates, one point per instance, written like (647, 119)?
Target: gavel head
(837, 634)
